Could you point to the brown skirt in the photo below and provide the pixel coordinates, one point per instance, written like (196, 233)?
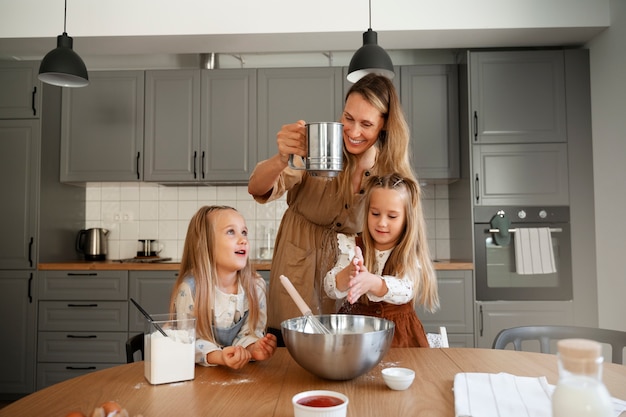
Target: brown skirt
(409, 331)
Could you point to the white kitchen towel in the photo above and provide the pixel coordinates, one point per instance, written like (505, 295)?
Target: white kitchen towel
(533, 251)
(505, 395)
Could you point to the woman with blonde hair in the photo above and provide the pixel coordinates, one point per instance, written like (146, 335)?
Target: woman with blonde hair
(375, 142)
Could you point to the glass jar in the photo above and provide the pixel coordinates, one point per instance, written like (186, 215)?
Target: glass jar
(580, 391)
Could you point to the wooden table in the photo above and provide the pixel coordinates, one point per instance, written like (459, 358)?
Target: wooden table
(265, 388)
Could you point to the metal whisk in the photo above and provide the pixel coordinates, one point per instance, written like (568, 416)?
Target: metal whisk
(316, 324)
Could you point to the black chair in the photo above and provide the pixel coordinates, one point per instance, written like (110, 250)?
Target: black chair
(134, 344)
(545, 334)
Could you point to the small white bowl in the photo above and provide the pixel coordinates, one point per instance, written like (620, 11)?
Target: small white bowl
(398, 378)
(321, 404)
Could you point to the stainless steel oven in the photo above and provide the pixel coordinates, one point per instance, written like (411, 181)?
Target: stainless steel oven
(496, 276)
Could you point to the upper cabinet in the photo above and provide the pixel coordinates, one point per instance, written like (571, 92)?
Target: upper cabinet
(102, 128)
(20, 96)
(287, 95)
(517, 96)
(200, 125)
(518, 127)
(429, 95)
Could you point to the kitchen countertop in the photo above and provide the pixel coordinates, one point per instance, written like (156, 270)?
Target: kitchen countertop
(259, 264)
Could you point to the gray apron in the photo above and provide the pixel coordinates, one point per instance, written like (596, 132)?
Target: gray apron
(225, 336)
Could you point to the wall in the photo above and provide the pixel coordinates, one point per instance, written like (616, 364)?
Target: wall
(608, 92)
(145, 210)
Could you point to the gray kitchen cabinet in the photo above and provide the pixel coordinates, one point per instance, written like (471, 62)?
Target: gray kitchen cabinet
(429, 96)
(200, 125)
(286, 95)
(102, 128)
(19, 181)
(17, 350)
(20, 98)
(82, 323)
(152, 290)
(517, 96)
(456, 297)
(521, 174)
(494, 316)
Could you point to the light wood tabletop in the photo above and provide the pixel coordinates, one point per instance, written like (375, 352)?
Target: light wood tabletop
(266, 388)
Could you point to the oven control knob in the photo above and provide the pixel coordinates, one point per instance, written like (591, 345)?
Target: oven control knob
(543, 214)
(521, 214)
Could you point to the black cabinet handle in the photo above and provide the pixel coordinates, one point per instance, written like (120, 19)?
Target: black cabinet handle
(202, 164)
(475, 127)
(82, 274)
(138, 176)
(30, 288)
(89, 336)
(80, 368)
(477, 188)
(195, 155)
(30, 251)
(34, 100)
(83, 305)
(481, 321)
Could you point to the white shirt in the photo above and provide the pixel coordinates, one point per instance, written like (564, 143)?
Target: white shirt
(399, 290)
(228, 310)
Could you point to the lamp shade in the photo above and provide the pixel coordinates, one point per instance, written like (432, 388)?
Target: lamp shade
(62, 66)
(370, 58)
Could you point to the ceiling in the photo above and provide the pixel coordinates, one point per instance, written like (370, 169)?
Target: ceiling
(36, 48)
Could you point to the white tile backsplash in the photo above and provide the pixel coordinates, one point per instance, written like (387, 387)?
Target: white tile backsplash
(150, 211)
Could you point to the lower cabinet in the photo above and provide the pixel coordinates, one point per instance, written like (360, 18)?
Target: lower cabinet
(82, 323)
(456, 298)
(494, 316)
(152, 290)
(17, 350)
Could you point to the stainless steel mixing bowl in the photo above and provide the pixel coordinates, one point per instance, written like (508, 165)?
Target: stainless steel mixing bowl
(356, 344)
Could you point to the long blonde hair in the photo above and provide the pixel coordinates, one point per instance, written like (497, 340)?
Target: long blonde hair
(198, 262)
(411, 256)
(393, 139)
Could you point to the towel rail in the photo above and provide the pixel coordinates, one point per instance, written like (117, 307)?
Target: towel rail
(552, 229)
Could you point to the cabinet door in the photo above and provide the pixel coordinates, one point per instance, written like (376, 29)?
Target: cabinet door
(287, 95)
(530, 174)
(19, 181)
(102, 128)
(172, 141)
(229, 120)
(152, 290)
(429, 98)
(18, 329)
(456, 299)
(518, 97)
(492, 317)
(84, 285)
(20, 98)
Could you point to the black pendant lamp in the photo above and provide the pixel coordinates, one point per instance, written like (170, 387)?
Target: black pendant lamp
(370, 58)
(62, 66)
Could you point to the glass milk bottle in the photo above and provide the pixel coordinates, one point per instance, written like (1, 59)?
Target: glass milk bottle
(580, 391)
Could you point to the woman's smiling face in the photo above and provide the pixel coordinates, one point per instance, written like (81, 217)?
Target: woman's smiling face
(362, 124)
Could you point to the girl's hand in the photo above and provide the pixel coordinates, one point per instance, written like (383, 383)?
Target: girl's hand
(363, 283)
(263, 348)
(291, 140)
(235, 357)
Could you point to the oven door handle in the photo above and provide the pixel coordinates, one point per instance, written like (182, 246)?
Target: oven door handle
(552, 229)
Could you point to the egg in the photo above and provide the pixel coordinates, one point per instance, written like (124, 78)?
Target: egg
(111, 408)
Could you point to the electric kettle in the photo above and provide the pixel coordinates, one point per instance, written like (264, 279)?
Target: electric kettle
(92, 243)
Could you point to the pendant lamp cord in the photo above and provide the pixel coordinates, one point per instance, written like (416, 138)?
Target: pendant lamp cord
(370, 3)
(65, 17)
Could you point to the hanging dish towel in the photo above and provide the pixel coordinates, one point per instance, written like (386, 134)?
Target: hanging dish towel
(502, 223)
(533, 251)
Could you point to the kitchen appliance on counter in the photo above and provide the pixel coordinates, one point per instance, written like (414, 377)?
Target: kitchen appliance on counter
(93, 243)
(148, 248)
(497, 277)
